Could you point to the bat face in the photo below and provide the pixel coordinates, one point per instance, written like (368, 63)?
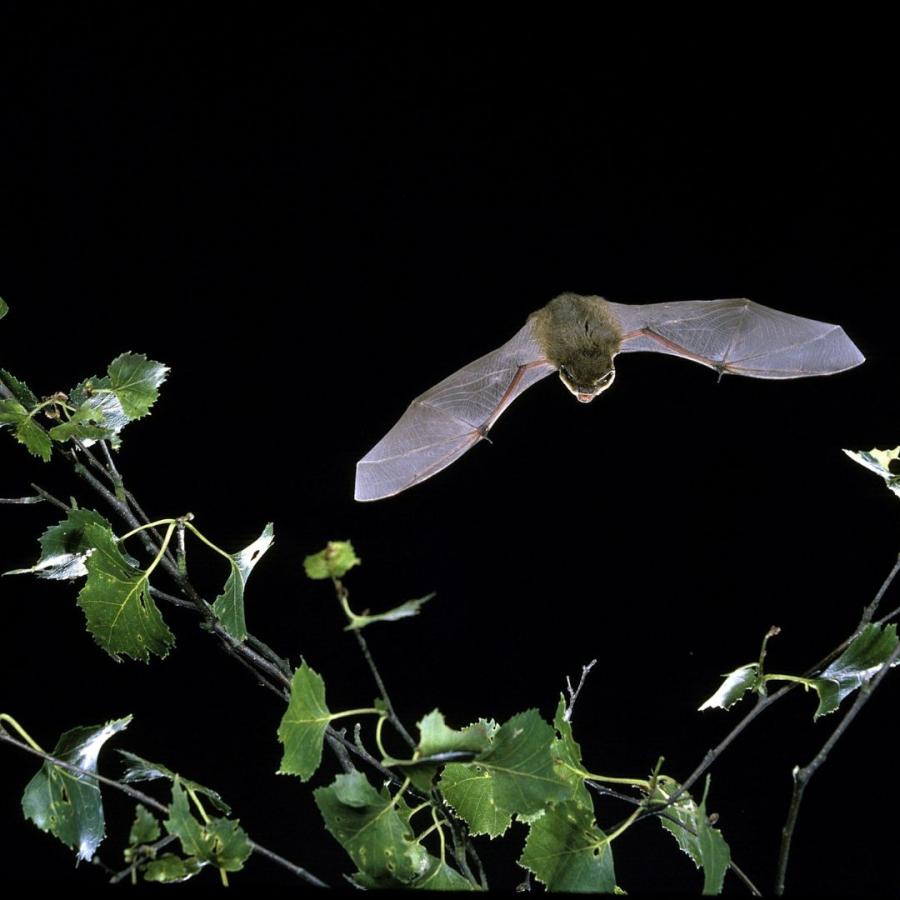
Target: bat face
(579, 337)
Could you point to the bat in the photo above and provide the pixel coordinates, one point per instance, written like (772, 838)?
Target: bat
(579, 337)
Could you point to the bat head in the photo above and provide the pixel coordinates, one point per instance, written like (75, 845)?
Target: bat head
(584, 381)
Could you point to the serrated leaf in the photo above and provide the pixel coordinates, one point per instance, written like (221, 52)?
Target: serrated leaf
(879, 462)
(220, 842)
(403, 611)
(514, 776)
(135, 380)
(229, 605)
(695, 836)
(64, 547)
(140, 769)
(334, 561)
(735, 685)
(68, 805)
(144, 829)
(25, 429)
(18, 389)
(373, 828)
(566, 754)
(303, 726)
(567, 852)
(170, 869)
(116, 601)
(859, 663)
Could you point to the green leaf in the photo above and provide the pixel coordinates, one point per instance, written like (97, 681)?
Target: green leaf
(435, 736)
(859, 663)
(515, 775)
(169, 869)
(735, 685)
(64, 547)
(85, 424)
(68, 805)
(373, 828)
(26, 430)
(4, 309)
(229, 605)
(694, 834)
(566, 754)
(221, 842)
(18, 389)
(144, 830)
(302, 728)
(567, 852)
(135, 380)
(333, 562)
(116, 601)
(140, 769)
(404, 611)
(438, 876)
(879, 462)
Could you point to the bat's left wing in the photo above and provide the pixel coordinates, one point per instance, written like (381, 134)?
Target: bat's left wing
(450, 418)
(738, 337)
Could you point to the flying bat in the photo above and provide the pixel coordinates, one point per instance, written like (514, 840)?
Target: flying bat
(579, 337)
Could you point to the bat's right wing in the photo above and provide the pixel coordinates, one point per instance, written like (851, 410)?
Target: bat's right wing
(453, 416)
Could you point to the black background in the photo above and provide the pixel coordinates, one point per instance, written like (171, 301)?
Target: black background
(313, 219)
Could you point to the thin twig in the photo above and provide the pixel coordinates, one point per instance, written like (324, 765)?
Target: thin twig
(573, 694)
(803, 776)
(872, 608)
(21, 501)
(171, 598)
(53, 501)
(146, 799)
(389, 707)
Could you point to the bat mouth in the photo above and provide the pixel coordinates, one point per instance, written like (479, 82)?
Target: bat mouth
(584, 398)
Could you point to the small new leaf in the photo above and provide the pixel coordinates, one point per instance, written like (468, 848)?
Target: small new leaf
(95, 395)
(515, 775)
(64, 803)
(373, 828)
(435, 736)
(735, 685)
(144, 830)
(229, 605)
(859, 663)
(4, 308)
(404, 611)
(116, 601)
(567, 852)
(334, 561)
(303, 726)
(26, 430)
(696, 837)
(135, 381)
(879, 462)
(140, 769)
(85, 424)
(64, 547)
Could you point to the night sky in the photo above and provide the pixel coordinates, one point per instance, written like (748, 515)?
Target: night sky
(311, 220)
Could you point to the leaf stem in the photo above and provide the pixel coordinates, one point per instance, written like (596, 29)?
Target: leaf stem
(157, 523)
(208, 542)
(6, 717)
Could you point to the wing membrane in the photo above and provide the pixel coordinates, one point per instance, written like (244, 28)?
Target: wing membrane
(447, 420)
(739, 337)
